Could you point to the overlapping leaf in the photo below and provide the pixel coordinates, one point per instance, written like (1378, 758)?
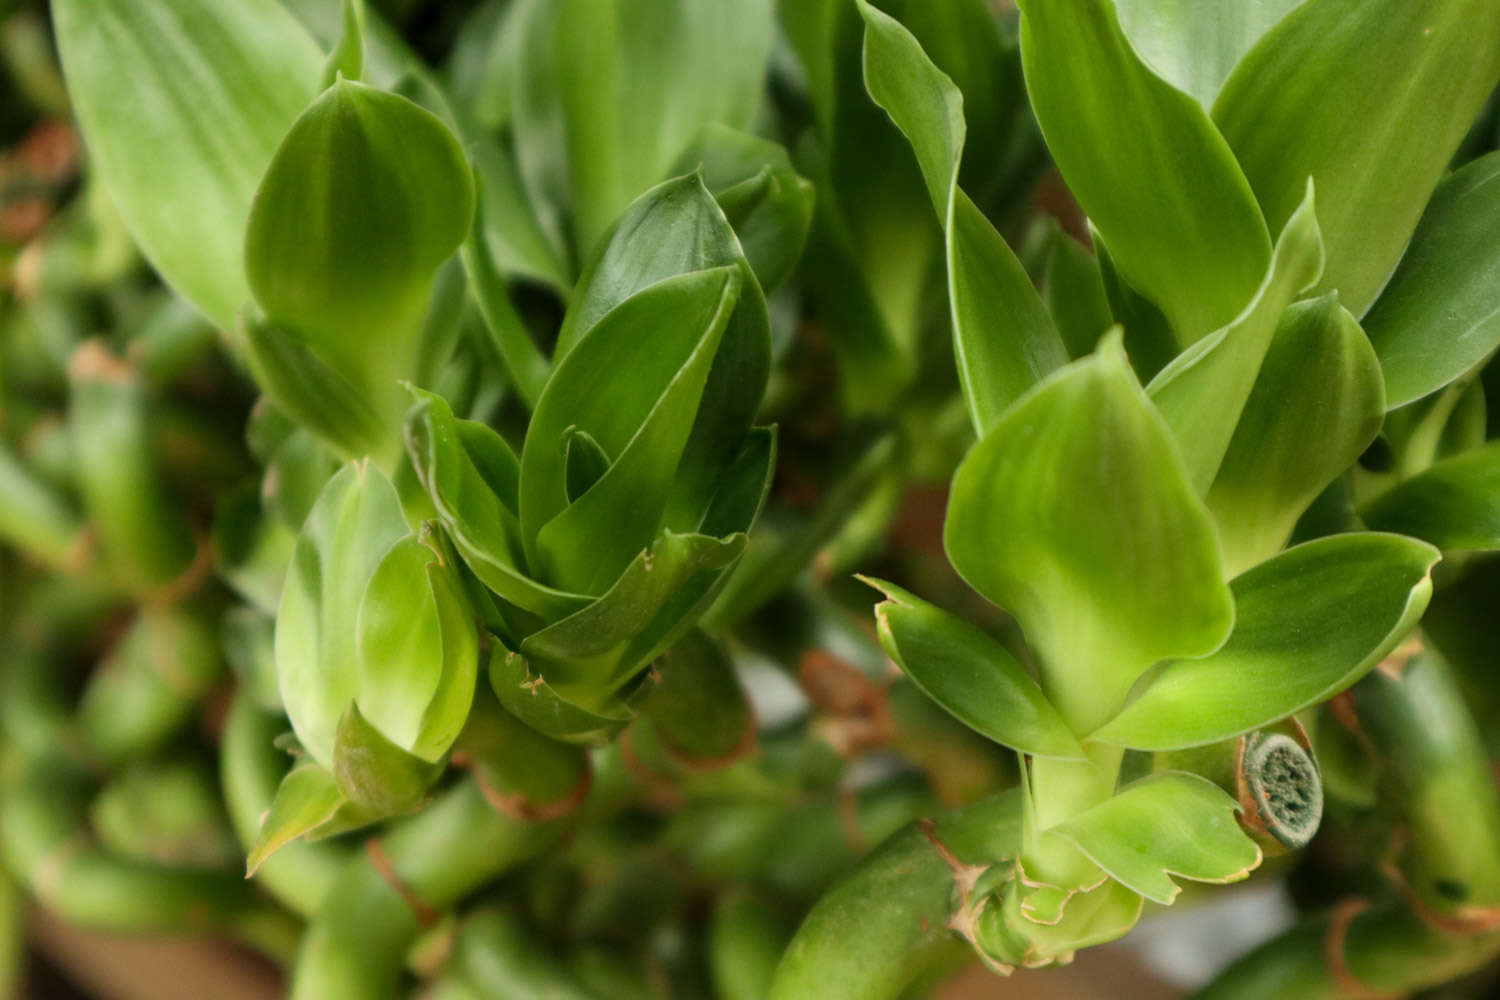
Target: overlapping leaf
(1455, 504)
(1308, 623)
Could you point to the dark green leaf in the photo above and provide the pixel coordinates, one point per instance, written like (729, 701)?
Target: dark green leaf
(1440, 315)
(375, 774)
(1455, 504)
(1073, 288)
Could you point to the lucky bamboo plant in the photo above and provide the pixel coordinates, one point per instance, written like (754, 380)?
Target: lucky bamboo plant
(447, 448)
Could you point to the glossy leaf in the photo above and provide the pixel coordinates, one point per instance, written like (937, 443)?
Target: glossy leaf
(665, 337)
(1075, 514)
(763, 197)
(1169, 824)
(218, 86)
(1195, 44)
(1455, 504)
(354, 523)
(637, 80)
(1202, 392)
(1175, 210)
(471, 475)
(365, 197)
(1308, 624)
(417, 650)
(1317, 404)
(586, 545)
(1003, 340)
(1440, 315)
(970, 674)
(1312, 98)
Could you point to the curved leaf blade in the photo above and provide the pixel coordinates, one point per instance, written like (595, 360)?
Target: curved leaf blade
(969, 674)
(1195, 44)
(1312, 99)
(1454, 504)
(1075, 514)
(1308, 624)
(1172, 204)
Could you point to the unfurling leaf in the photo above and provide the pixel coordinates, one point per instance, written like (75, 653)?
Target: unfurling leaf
(1075, 514)
(970, 674)
(1168, 824)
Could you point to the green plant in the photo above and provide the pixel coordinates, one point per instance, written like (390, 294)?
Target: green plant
(538, 385)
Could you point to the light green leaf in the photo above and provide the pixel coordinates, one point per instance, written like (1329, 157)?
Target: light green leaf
(1440, 315)
(417, 651)
(527, 694)
(1317, 404)
(217, 85)
(971, 675)
(1195, 44)
(1003, 340)
(1202, 392)
(365, 198)
(637, 80)
(1308, 624)
(1454, 504)
(1075, 514)
(354, 523)
(347, 60)
(471, 475)
(1168, 824)
(307, 798)
(1146, 164)
(1313, 98)
(662, 337)
(588, 544)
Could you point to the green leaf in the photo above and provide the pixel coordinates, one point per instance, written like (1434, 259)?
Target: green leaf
(375, 774)
(354, 523)
(971, 675)
(1003, 339)
(1074, 290)
(417, 651)
(589, 543)
(1317, 404)
(1312, 98)
(307, 798)
(1454, 504)
(1075, 514)
(471, 475)
(1168, 824)
(763, 197)
(1308, 624)
(317, 396)
(699, 709)
(1175, 210)
(1202, 392)
(1195, 44)
(217, 85)
(347, 60)
(529, 696)
(638, 79)
(1439, 317)
(638, 617)
(665, 338)
(365, 198)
